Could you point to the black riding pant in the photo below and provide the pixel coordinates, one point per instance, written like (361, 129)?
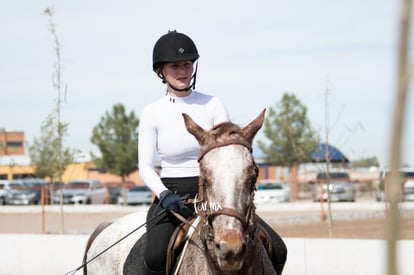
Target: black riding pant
(160, 229)
(279, 248)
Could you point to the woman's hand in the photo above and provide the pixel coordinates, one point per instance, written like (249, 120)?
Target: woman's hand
(172, 202)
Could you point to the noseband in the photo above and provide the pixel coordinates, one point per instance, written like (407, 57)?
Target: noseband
(225, 143)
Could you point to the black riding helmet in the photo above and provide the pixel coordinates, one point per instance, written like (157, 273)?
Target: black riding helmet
(173, 47)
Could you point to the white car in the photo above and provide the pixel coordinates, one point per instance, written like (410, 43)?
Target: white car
(84, 191)
(5, 187)
(272, 191)
(341, 187)
(408, 190)
(137, 195)
(407, 175)
(343, 190)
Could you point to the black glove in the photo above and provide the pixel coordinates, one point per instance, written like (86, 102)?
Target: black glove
(172, 202)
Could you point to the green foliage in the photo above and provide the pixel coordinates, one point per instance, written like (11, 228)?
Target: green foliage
(117, 139)
(291, 137)
(46, 154)
(365, 162)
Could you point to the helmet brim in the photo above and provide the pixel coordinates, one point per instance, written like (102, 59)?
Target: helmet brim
(190, 57)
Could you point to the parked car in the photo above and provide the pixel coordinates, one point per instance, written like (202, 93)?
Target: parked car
(82, 191)
(407, 181)
(272, 191)
(408, 190)
(341, 187)
(114, 193)
(117, 189)
(3, 191)
(26, 191)
(5, 187)
(137, 195)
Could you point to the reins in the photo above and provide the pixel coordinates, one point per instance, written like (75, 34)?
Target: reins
(245, 220)
(225, 143)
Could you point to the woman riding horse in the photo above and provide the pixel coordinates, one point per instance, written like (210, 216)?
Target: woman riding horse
(162, 131)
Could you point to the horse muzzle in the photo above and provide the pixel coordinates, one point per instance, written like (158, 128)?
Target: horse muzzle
(231, 251)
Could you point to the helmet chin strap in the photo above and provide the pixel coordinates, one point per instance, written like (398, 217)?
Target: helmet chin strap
(192, 85)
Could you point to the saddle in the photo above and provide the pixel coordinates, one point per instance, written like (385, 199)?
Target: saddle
(177, 241)
(180, 237)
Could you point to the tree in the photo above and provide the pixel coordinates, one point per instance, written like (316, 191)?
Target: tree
(47, 153)
(365, 162)
(292, 139)
(44, 153)
(117, 139)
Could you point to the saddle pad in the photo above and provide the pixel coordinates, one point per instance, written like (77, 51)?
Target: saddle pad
(133, 263)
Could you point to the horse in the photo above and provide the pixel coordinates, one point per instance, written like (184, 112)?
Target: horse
(225, 237)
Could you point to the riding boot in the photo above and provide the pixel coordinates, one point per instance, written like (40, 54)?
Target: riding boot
(149, 271)
(279, 254)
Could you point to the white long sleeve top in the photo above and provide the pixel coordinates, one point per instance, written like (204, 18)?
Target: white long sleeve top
(162, 130)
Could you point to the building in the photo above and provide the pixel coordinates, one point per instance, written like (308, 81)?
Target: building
(11, 142)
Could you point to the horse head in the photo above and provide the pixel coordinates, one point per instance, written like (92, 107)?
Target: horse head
(228, 175)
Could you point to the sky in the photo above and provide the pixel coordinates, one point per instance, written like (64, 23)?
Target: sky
(251, 53)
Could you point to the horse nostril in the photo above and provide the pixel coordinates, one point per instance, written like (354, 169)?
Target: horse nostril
(234, 250)
(223, 247)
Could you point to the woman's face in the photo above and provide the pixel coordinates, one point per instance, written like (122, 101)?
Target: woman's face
(178, 74)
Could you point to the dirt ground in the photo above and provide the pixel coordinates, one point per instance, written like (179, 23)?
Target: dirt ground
(84, 223)
(374, 228)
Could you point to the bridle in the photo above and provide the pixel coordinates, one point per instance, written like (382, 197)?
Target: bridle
(247, 219)
(225, 143)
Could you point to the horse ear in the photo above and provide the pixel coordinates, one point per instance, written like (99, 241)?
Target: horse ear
(194, 129)
(253, 127)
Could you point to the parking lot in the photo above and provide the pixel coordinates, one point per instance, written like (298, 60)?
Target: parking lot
(289, 218)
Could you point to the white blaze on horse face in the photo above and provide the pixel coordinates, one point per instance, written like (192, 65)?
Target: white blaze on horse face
(227, 174)
(227, 170)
